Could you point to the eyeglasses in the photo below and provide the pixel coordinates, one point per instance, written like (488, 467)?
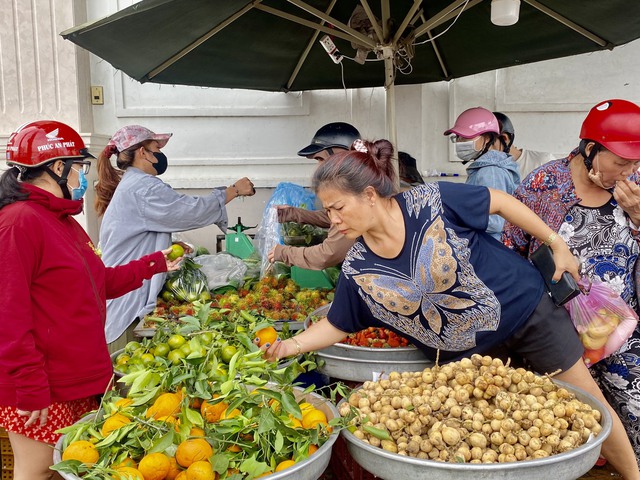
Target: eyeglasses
(85, 166)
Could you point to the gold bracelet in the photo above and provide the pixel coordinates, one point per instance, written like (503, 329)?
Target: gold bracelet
(297, 346)
(551, 239)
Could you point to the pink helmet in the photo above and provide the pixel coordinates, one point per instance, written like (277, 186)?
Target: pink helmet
(473, 122)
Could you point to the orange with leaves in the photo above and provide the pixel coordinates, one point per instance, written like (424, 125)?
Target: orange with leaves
(81, 450)
(201, 470)
(211, 412)
(165, 405)
(114, 422)
(128, 473)
(193, 450)
(154, 466)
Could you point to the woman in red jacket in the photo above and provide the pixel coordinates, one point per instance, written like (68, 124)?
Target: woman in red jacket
(53, 290)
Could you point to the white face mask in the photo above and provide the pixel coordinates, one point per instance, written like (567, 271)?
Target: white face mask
(466, 151)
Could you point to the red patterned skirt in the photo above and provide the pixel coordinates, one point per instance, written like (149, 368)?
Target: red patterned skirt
(61, 414)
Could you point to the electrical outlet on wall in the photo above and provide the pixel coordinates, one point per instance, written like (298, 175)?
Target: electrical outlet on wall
(97, 97)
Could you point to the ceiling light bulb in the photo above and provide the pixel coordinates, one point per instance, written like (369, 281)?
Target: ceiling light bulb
(505, 12)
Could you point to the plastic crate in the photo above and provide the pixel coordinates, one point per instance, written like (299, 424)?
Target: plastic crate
(342, 465)
(7, 474)
(306, 278)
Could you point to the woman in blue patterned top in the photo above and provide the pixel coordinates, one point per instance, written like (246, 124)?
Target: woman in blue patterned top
(423, 266)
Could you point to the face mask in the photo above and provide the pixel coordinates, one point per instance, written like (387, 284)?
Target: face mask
(78, 193)
(466, 151)
(161, 165)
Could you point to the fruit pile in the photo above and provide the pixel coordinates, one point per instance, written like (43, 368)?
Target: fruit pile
(202, 403)
(275, 298)
(372, 337)
(477, 410)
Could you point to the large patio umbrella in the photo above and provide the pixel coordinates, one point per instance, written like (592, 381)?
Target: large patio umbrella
(274, 45)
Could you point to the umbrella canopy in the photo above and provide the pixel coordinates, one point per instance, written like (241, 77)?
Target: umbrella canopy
(273, 45)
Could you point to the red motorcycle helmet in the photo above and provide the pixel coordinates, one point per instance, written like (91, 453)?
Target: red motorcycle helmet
(38, 143)
(614, 124)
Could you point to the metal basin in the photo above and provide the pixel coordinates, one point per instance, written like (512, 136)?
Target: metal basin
(358, 364)
(563, 466)
(309, 469)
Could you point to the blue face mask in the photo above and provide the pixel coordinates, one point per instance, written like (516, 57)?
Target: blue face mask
(78, 193)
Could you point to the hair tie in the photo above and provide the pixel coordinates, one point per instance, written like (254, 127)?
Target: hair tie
(359, 146)
(110, 150)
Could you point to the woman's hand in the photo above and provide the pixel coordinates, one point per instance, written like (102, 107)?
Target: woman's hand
(34, 416)
(172, 265)
(280, 349)
(272, 255)
(283, 212)
(244, 187)
(565, 261)
(627, 194)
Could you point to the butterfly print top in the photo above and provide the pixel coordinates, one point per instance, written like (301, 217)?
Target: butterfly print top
(452, 288)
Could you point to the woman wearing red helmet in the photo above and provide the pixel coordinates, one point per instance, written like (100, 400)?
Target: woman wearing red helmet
(53, 354)
(477, 139)
(592, 199)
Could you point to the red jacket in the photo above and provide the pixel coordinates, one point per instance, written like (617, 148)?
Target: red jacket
(53, 291)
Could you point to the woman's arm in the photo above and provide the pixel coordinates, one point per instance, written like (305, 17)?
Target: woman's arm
(517, 213)
(317, 337)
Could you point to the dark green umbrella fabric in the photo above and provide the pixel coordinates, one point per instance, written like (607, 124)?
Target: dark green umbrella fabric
(247, 44)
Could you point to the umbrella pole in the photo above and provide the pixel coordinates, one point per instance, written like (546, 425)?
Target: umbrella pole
(390, 98)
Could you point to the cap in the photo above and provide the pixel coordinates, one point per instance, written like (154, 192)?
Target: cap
(132, 135)
(408, 169)
(615, 124)
(337, 134)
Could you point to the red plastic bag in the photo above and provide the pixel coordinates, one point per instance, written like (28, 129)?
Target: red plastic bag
(603, 320)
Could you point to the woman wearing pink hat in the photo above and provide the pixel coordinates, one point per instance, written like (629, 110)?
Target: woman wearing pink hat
(141, 212)
(476, 135)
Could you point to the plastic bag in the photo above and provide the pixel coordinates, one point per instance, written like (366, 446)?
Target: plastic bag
(268, 233)
(222, 269)
(188, 283)
(603, 320)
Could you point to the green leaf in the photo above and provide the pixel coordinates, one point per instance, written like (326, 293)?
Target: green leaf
(162, 443)
(220, 463)
(140, 383)
(291, 405)
(194, 417)
(267, 421)
(142, 399)
(279, 443)
(227, 386)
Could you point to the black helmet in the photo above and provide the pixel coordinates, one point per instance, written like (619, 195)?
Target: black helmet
(338, 134)
(506, 128)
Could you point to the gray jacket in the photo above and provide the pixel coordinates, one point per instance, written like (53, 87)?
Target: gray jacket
(140, 219)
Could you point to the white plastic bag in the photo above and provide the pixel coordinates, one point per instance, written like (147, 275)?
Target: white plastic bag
(222, 269)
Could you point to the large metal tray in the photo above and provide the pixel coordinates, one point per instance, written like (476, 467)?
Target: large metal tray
(310, 469)
(358, 364)
(564, 466)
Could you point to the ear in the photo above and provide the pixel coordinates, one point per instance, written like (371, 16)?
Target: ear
(370, 194)
(588, 148)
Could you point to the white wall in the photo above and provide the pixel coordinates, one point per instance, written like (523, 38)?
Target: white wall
(222, 135)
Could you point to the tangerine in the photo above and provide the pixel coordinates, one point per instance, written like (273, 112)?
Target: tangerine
(193, 450)
(128, 473)
(284, 464)
(81, 450)
(127, 462)
(165, 405)
(313, 448)
(212, 412)
(174, 470)
(233, 413)
(313, 417)
(201, 470)
(154, 466)
(177, 251)
(265, 335)
(114, 422)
